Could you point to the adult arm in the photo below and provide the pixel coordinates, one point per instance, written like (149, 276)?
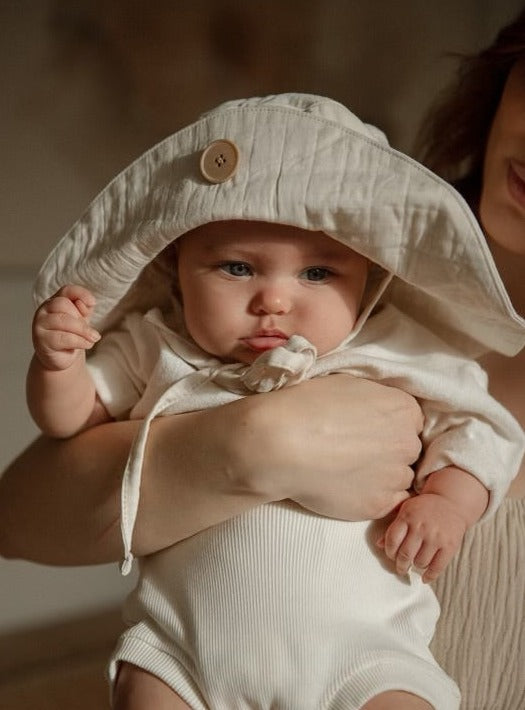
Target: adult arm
(337, 445)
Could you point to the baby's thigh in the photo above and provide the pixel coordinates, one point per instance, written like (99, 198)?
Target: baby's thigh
(397, 700)
(136, 689)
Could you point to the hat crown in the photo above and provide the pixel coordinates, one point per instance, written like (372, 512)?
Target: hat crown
(319, 106)
(302, 160)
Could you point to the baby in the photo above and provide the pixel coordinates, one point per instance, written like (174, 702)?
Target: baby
(278, 607)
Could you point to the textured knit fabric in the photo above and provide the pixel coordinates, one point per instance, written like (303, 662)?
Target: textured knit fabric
(280, 608)
(479, 639)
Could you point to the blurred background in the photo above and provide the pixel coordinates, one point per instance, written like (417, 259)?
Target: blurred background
(87, 85)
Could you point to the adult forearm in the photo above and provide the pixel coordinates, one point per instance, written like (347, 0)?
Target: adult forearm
(197, 473)
(60, 500)
(339, 446)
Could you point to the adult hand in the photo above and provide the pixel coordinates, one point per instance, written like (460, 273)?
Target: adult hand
(340, 446)
(337, 445)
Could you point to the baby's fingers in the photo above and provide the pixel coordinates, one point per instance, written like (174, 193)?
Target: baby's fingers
(437, 565)
(80, 297)
(63, 331)
(401, 545)
(66, 341)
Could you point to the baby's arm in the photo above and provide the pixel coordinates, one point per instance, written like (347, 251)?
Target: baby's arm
(60, 392)
(429, 528)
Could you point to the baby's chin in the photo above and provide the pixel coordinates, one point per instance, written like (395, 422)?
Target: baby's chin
(247, 355)
(235, 356)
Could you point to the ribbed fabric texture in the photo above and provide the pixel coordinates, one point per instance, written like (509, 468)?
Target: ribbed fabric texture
(280, 608)
(480, 638)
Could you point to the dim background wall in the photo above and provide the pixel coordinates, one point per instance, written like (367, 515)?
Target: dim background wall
(88, 85)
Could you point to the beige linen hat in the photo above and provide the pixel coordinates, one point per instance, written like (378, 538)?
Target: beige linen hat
(300, 160)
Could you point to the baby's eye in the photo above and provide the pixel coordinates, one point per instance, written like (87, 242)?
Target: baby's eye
(316, 273)
(236, 268)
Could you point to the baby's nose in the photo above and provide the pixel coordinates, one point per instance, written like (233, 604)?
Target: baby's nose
(271, 300)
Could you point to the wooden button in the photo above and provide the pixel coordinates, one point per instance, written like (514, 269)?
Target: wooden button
(219, 161)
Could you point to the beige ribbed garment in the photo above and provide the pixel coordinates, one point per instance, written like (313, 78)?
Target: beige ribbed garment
(169, 637)
(480, 637)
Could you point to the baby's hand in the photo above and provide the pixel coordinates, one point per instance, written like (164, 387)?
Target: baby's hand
(426, 532)
(61, 329)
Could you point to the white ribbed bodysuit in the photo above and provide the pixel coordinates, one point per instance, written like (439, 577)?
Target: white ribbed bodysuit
(280, 608)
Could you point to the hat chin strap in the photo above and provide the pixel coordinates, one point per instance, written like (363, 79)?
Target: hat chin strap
(378, 281)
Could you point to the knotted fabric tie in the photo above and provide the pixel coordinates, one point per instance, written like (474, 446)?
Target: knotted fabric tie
(274, 369)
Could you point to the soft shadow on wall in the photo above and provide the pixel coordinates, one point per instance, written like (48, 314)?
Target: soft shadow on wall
(95, 82)
(169, 61)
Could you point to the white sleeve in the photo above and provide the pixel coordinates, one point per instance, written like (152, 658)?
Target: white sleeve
(122, 364)
(464, 426)
(469, 429)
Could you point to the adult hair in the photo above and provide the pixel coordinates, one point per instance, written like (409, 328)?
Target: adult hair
(454, 135)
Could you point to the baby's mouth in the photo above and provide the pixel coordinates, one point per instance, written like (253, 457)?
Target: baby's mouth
(266, 340)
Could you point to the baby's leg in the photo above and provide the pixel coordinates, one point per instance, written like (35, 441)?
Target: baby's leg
(397, 700)
(136, 689)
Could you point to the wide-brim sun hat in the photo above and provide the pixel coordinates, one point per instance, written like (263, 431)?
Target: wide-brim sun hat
(299, 160)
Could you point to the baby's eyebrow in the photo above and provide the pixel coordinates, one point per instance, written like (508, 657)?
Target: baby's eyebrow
(230, 249)
(324, 255)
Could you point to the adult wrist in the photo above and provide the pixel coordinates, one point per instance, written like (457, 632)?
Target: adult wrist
(249, 452)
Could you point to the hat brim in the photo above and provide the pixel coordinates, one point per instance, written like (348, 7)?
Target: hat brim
(303, 169)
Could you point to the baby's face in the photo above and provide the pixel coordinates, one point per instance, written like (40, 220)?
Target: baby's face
(248, 286)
